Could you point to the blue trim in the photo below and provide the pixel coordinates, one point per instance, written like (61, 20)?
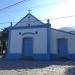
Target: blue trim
(54, 56)
(26, 16)
(34, 56)
(71, 56)
(28, 33)
(48, 41)
(63, 31)
(41, 56)
(9, 39)
(14, 56)
(31, 27)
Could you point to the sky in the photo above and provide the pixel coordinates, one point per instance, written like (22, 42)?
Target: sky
(41, 9)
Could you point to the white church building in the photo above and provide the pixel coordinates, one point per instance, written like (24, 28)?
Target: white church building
(32, 39)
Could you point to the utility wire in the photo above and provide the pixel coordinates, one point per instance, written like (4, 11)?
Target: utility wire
(63, 17)
(7, 22)
(39, 6)
(44, 19)
(60, 17)
(12, 5)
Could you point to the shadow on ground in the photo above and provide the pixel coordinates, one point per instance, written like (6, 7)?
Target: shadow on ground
(70, 71)
(31, 64)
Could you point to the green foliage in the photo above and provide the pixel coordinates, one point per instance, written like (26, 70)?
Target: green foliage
(3, 41)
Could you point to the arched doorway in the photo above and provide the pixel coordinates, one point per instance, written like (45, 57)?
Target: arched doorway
(27, 47)
(62, 46)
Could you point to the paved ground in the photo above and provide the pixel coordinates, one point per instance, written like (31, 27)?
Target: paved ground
(24, 67)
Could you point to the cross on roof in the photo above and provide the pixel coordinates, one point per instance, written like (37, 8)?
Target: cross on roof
(29, 10)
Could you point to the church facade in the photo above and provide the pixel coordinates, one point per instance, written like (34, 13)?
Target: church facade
(32, 39)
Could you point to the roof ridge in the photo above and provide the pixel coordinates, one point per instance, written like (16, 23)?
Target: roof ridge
(63, 31)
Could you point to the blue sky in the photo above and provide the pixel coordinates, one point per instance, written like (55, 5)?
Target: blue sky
(42, 9)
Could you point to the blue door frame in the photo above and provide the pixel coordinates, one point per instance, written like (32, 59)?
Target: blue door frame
(27, 47)
(62, 45)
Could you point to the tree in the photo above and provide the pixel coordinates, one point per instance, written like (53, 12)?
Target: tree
(4, 39)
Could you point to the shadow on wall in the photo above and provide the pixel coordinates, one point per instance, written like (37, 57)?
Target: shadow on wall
(31, 64)
(70, 71)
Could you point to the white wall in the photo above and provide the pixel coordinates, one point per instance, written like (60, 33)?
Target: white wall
(39, 42)
(55, 34)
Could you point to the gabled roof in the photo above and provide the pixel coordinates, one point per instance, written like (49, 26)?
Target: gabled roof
(29, 19)
(62, 31)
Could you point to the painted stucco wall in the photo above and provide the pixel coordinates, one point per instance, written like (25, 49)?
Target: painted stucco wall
(39, 40)
(55, 34)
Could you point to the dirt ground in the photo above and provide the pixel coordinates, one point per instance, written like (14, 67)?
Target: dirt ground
(26, 67)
